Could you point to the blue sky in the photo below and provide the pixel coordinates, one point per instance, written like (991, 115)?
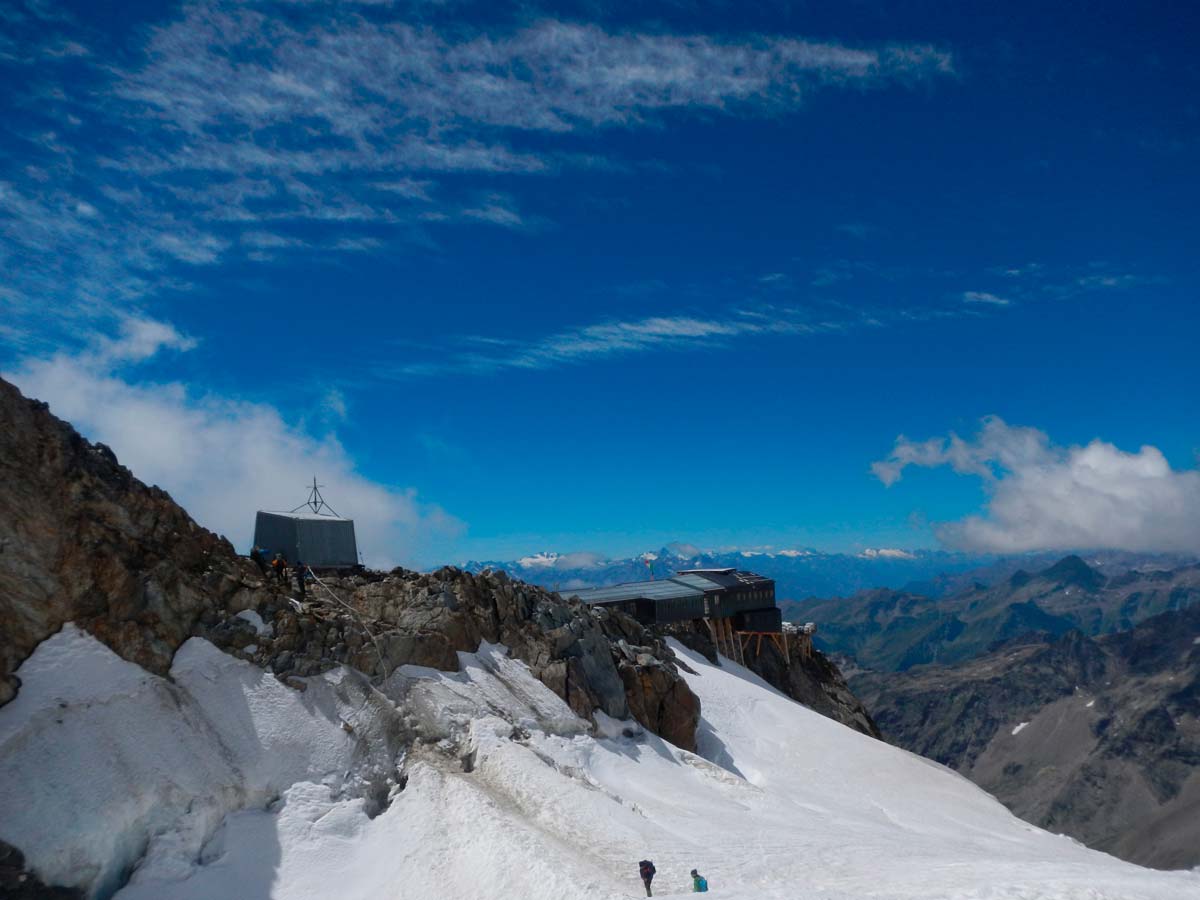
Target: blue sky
(593, 277)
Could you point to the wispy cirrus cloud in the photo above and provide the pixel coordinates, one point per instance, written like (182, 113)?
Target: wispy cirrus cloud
(985, 297)
(613, 338)
(228, 121)
(598, 341)
(1035, 280)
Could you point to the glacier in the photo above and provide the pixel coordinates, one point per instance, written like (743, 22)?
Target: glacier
(221, 782)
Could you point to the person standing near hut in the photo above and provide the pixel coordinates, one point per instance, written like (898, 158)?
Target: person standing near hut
(301, 574)
(646, 870)
(256, 557)
(279, 567)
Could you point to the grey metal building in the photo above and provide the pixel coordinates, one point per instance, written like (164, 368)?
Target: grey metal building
(312, 534)
(747, 598)
(318, 541)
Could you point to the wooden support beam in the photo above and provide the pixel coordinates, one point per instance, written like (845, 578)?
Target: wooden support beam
(782, 643)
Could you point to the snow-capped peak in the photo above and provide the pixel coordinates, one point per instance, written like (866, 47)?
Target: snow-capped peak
(538, 560)
(886, 553)
(551, 560)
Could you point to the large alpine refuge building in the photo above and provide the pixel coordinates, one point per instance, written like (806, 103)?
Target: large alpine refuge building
(731, 602)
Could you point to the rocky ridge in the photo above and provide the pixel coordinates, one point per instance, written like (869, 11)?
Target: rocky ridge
(82, 540)
(377, 622)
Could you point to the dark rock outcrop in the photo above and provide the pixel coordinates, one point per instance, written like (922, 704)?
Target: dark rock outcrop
(18, 883)
(82, 540)
(814, 680)
(805, 674)
(592, 658)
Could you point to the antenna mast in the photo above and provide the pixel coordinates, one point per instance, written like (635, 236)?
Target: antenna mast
(316, 502)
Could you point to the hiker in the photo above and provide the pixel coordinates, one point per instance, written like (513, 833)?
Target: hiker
(699, 883)
(646, 870)
(279, 567)
(301, 575)
(256, 556)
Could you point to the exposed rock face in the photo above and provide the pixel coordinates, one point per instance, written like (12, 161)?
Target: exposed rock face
(1097, 738)
(82, 540)
(814, 680)
(591, 658)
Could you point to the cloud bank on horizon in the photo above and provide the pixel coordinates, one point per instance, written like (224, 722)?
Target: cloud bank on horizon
(1041, 496)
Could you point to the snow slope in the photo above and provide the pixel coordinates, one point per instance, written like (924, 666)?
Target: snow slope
(238, 787)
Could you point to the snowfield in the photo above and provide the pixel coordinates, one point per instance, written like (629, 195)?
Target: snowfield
(223, 784)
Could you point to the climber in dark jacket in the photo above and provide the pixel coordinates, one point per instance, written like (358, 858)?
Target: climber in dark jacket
(279, 567)
(256, 556)
(646, 870)
(301, 575)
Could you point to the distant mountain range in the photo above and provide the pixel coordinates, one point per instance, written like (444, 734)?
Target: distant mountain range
(1069, 692)
(797, 572)
(802, 572)
(894, 630)
(1095, 737)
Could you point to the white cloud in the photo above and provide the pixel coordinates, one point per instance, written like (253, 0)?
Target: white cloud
(333, 405)
(886, 553)
(266, 240)
(496, 213)
(562, 561)
(1044, 496)
(607, 339)
(481, 355)
(223, 458)
(1110, 280)
(230, 117)
(984, 297)
(368, 78)
(139, 340)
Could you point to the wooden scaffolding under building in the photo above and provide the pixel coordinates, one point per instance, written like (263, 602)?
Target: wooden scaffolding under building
(733, 644)
(737, 607)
